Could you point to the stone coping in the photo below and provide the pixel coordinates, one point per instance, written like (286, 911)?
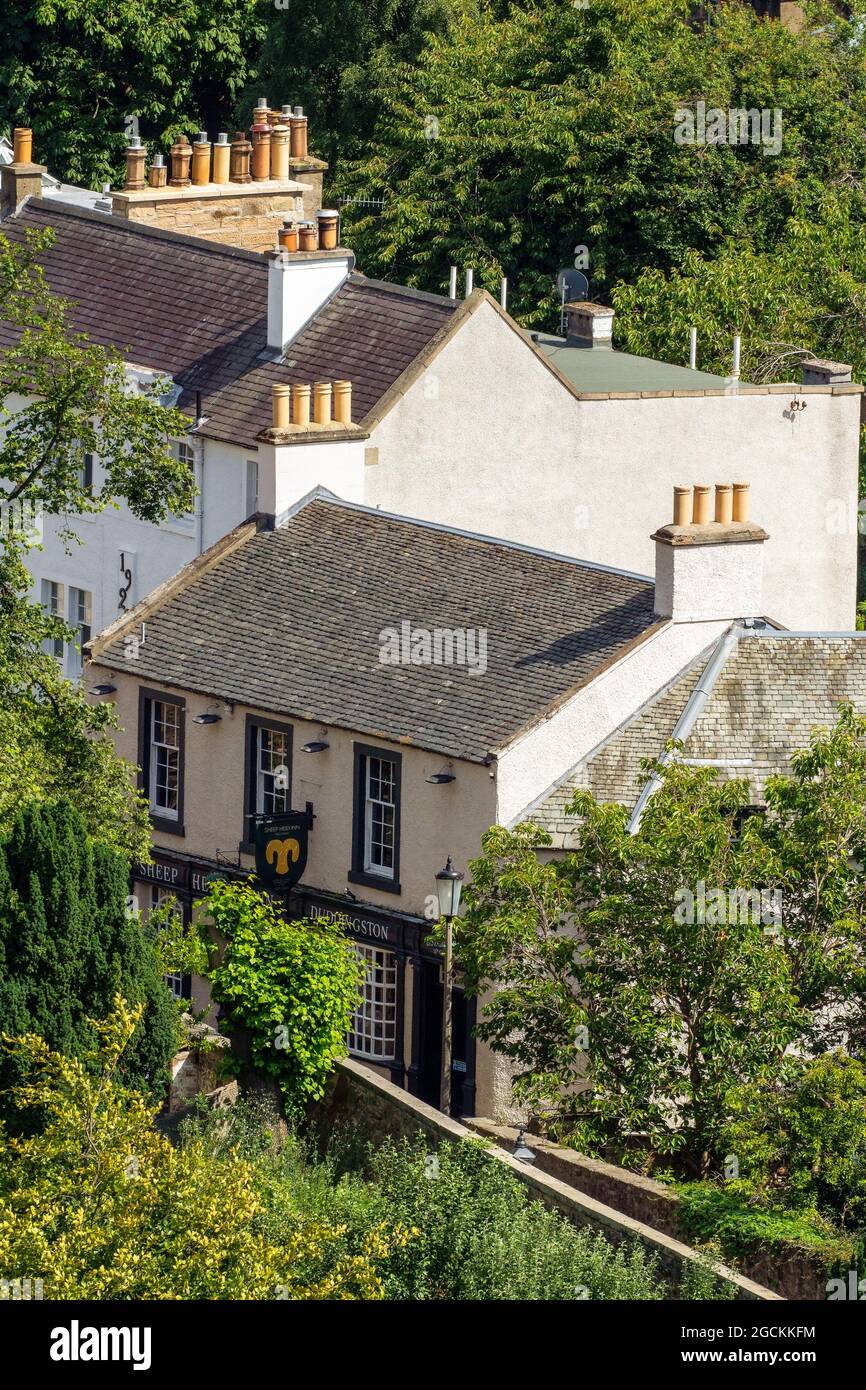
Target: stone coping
(193, 191)
(710, 533)
(576, 1205)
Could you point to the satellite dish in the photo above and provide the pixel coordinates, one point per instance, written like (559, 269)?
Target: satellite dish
(572, 285)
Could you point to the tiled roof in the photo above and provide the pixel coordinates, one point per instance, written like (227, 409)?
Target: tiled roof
(197, 311)
(771, 693)
(289, 621)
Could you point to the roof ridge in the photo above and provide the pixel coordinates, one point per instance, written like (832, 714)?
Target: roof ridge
(406, 291)
(325, 495)
(122, 224)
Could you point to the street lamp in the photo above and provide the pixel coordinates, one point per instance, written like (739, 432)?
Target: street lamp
(448, 886)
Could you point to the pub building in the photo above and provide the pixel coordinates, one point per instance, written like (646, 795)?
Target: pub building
(374, 690)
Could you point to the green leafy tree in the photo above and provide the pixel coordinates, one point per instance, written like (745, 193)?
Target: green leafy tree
(632, 991)
(554, 128)
(63, 396)
(333, 55)
(293, 985)
(69, 942)
(75, 70)
(799, 1137)
(98, 1205)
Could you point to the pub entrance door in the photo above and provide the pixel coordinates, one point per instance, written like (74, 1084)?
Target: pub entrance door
(462, 1049)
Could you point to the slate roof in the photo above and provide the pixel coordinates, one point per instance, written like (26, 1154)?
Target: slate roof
(289, 622)
(774, 689)
(197, 311)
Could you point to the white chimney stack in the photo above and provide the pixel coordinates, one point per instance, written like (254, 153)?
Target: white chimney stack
(299, 284)
(710, 570)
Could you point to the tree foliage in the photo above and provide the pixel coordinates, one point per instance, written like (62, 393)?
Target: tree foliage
(98, 1205)
(74, 70)
(68, 943)
(293, 985)
(632, 991)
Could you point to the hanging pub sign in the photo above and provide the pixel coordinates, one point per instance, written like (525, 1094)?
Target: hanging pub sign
(281, 848)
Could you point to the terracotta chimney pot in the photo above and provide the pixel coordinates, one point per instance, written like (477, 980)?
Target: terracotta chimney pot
(701, 505)
(201, 159)
(322, 402)
(299, 134)
(280, 397)
(136, 154)
(280, 137)
(682, 506)
(22, 145)
(724, 503)
(741, 501)
(221, 158)
(328, 221)
(157, 174)
(240, 159)
(261, 138)
(309, 239)
(287, 237)
(343, 402)
(181, 154)
(301, 404)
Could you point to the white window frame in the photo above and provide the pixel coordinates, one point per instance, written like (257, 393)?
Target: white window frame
(157, 747)
(280, 797)
(53, 600)
(376, 816)
(373, 1033)
(81, 620)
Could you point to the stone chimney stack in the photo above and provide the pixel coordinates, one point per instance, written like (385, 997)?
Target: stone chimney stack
(239, 194)
(22, 178)
(709, 570)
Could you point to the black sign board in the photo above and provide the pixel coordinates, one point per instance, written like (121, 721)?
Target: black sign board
(281, 848)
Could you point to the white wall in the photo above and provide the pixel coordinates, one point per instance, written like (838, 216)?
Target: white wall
(531, 765)
(488, 439)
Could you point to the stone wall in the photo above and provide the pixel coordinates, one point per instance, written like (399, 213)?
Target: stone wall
(378, 1110)
(794, 1276)
(243, 215)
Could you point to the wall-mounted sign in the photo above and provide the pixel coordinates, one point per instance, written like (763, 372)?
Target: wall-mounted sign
(281, 848)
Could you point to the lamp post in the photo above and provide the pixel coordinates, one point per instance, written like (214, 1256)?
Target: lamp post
(448, 886)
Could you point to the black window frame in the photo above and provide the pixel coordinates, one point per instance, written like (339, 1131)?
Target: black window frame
(146, 698)
(357, 873)
(253, 723)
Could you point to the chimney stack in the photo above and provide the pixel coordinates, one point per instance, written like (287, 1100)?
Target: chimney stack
(589, 325)
(710, 570)
(22, 178)
(819, 372)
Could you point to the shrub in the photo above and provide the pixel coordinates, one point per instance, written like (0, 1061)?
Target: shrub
(68, 944)
(715, 1215)
(100, 1206)
(800, 1138)
(293, 985)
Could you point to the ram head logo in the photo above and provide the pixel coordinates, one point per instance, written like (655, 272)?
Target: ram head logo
(280, 852)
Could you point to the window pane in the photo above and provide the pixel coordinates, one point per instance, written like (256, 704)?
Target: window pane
(273, 792)
(380, 816)
(374, 1026)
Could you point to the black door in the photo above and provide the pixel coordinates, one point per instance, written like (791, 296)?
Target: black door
(462, 1048)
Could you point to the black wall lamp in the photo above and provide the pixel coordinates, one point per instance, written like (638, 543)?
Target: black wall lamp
(102, 689)
(439, 779)
(316, 745)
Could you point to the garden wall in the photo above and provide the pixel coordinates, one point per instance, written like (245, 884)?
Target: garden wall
(793, 1276)
(377, 1109)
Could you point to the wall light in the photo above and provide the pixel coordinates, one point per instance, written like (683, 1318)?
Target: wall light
(316, 745)
(102, 690)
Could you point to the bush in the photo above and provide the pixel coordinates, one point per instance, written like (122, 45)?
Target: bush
(293, 985)
(68, 945)
(478, 1235)
(100, 1206)
(800, 1138)
(714, 1215)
